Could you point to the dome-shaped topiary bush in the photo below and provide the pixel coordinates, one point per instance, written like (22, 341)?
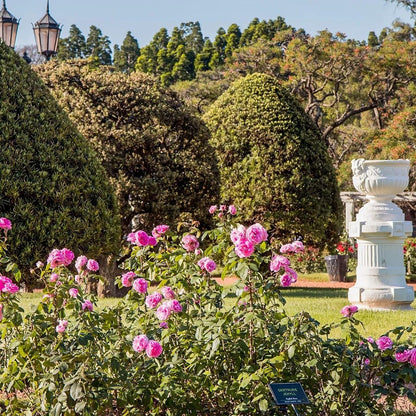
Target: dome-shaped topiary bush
(52, 186)
(155, 151)
(273, 161)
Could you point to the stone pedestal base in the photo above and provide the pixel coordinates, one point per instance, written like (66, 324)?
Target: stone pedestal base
(383, 298)
(381, 282)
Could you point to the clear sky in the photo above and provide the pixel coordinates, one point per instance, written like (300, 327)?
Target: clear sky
(144, 18)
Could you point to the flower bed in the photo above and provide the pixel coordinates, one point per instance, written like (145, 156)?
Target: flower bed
(176, 350)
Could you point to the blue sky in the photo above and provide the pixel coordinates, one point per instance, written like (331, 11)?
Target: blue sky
(144, 18)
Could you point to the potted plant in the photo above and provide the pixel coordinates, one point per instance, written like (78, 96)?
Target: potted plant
(337, 264)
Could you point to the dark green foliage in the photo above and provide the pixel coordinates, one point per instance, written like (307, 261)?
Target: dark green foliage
(73, 46)
(154, 150)
(203, 59)
(373, 40)
(98, 46)
(126, 56)
(274, 163)
(53, 187)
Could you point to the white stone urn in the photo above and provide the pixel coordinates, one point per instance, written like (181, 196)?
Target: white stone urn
(380, 230)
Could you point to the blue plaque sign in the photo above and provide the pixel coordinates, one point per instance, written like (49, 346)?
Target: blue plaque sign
(286, 394)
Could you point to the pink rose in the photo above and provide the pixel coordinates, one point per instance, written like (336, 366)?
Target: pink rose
(210, 265)
(278, 262)
(152, 300)
(152, 241)
(167, 292)
(7, 286)
(174, 306)
(403, 356)
(298, 246)
(256, 233)
(62, 257)
(164, 325)
(54, 277)
(87, 305)
(159, 230)
(73, 292)
(140, 285)
(349, 310)
(223, 207)
(140, 343)
(153, 349)
(163, 312)
(61, 327)
(285, 280)
(232, 209)
(201, 263)
(207, 264)
(80, 262)
(384, 343)
(39, 264)
(5, 224)
(139, 238)
(293, 275)
(244, 248)
(412, 359)
(287, 248)
(190, 242)
(238, 233)
(93, 265)
(212, 209)
(127, 279)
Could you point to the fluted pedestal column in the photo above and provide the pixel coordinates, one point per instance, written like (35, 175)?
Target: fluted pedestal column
(380, 230)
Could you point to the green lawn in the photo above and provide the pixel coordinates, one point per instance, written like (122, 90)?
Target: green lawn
(324, 305)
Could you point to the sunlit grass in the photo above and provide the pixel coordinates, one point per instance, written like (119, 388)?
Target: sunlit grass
(323, 305)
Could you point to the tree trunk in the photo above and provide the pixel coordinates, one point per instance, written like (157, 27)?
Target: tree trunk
(109, 271)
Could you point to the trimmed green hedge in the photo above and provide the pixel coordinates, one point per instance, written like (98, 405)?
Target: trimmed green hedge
(52, 186)
(273, 161)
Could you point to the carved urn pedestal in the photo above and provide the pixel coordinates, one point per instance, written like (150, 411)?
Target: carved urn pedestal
(380, 230)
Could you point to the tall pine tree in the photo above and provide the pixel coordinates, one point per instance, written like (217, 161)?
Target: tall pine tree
(125, 58)
(98, 46)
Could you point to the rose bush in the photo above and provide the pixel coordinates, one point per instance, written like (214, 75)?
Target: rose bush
(179, 343)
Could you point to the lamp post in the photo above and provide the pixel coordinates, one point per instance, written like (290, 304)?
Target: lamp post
(47, 32)
(8, 26)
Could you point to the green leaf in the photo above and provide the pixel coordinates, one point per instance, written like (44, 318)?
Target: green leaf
(263, 405)
(215, 346)
(79, 406)
(76, 391)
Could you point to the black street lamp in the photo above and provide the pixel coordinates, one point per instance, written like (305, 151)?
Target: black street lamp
(8, 26)
(47, 32)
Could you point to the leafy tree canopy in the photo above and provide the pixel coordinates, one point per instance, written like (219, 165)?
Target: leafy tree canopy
(155, 152)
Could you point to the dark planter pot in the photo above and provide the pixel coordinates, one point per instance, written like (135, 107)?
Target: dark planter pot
(337, 266)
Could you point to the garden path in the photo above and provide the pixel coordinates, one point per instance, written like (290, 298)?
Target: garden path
(307, 283)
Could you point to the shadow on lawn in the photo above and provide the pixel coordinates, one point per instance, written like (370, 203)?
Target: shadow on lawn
(296, 292)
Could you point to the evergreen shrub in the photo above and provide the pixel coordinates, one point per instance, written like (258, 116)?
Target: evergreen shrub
(52, 184)
(273, 162)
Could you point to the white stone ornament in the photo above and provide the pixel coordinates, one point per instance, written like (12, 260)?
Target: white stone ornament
(380, 230)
